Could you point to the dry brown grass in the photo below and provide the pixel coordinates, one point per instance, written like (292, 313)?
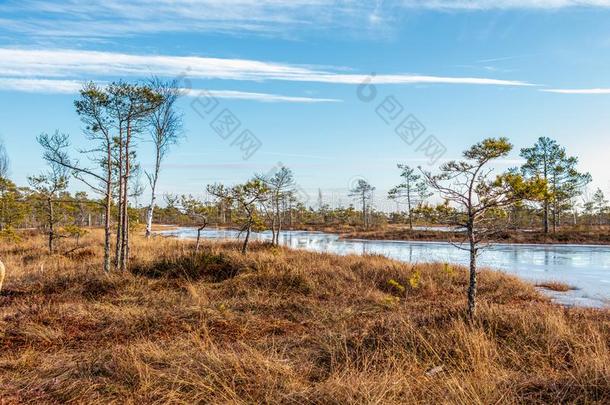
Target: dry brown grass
(594, 236)
(555, 286)
(283, 326)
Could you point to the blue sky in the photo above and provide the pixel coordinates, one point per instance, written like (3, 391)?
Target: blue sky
(290, 71)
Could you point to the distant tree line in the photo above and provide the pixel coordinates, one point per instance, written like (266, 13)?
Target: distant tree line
(28, 207)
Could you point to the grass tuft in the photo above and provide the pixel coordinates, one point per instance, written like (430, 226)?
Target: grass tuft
(196, 266)
(555, 286)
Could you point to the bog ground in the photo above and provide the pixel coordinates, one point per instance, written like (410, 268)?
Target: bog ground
(283, 326)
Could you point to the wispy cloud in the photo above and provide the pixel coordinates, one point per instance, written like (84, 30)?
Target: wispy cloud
(77, 64)
(50, 86)
(40, 85)
(115, 18)
(263, 97)
(502, 4)
(577, 91)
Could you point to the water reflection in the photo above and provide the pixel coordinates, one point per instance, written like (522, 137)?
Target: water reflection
(585, 267)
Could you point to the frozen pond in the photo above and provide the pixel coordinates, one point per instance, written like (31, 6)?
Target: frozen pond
(585, 267)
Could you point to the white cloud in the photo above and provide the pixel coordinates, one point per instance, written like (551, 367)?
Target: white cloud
(264, 97)
(76, 64)
(40, 85)
(502, 4)
(117, 18)
(577, 91)
(47, 86)
(111, 18)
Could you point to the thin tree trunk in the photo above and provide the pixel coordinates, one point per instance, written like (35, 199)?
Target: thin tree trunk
(555, 217)
(125, 202)
(149, 215)
(123, 228)
(244, 248)
(472, 286)
(273, 228)
(107, 218)
(51, 227)
(279, 229)
(273, 221)
(125, 231)
(153, 196)
(118, 247)
(276, 220)
(364, 212)
(545, 218)
(149, 218)
(119, 233)
(409, 208)
(199, 235)
(126, 244)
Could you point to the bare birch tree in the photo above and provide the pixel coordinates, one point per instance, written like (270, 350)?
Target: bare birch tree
(165, 126)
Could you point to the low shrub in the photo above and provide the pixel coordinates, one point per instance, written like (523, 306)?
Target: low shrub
(208, 266)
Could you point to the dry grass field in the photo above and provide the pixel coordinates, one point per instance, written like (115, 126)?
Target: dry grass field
(283, 326)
